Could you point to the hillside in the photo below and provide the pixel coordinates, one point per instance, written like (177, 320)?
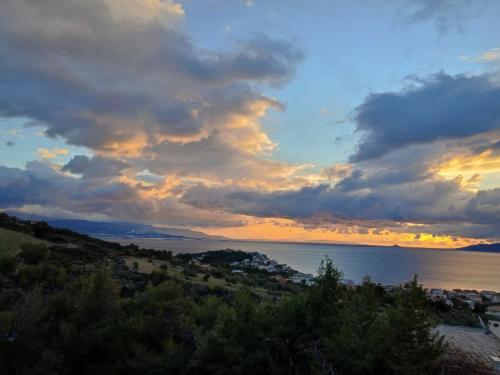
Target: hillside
(10, 242)
(488, 248)
(118, 229)
(72, 304)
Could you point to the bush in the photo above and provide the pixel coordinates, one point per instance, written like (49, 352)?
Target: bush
(54, 277)
(6, 320)
(157, 277)
(7, 265)
(33, 253)
(189, 271)
(29, 275)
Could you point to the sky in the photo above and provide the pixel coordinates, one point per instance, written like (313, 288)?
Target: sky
(364, 121)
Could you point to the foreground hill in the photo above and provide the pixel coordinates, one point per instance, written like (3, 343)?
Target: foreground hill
(72, 304)
(488, 248)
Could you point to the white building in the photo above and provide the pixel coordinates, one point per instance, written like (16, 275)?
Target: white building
(493, 313)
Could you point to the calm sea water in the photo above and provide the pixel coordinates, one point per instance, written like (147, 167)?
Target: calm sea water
(387, 265)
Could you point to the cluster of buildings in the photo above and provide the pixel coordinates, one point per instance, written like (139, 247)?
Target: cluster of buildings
(300, 277)
(471, 298)
(262, 262)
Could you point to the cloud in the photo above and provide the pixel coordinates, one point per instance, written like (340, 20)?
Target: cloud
(116, 76)
(491, 55)
(174, 131)
(418, 202)
(45, 153)
(438, 108)
(485, 207)
(40, 185)
(424, 204)
(446, 15)
(122, 79)
(95, 167)
(405, 191)
(220, 161)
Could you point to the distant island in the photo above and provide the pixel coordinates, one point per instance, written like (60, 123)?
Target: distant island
(486, 248)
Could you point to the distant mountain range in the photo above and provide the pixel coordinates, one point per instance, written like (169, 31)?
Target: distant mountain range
(118, 229)
(488, 248)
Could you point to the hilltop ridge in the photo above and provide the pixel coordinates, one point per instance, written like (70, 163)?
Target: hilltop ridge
(117, 228)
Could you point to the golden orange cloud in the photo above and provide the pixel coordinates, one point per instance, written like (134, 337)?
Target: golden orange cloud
(45, 153)
(476, 170)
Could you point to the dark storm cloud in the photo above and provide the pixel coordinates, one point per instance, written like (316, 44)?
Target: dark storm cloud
(439, 108)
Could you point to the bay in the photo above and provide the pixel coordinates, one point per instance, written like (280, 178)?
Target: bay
(437, 268)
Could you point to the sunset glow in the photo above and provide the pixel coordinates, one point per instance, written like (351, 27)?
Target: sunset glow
(265, 121)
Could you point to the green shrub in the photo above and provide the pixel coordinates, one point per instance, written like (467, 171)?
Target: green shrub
(54, 276)
(189, 271)
(6, 320)
(158, 277)
(33, 253)
(29, 275)
(7, 265)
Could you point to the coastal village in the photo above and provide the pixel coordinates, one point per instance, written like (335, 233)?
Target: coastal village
(471, 298)
(258, 261)
(481, 342)
(284, 273)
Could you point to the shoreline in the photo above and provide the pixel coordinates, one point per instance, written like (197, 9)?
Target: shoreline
(390, 266)
(262, 262)
(428, 286)
(395, 246)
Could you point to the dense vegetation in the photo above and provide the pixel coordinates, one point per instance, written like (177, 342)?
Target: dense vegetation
(85, 306)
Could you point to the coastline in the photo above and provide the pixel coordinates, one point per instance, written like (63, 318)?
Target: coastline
(387, 265)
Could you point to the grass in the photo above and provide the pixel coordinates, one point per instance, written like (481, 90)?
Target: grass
(147, 266)
(11, 241)
(144, 265)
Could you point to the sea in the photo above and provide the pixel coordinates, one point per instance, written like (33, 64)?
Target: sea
(435, 268)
